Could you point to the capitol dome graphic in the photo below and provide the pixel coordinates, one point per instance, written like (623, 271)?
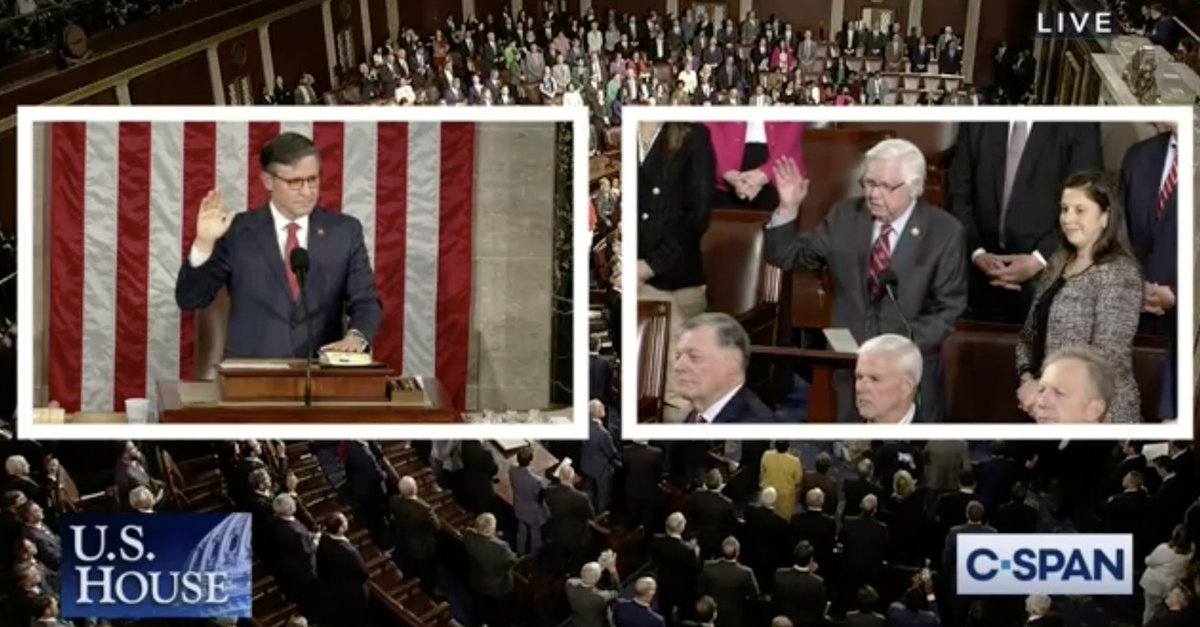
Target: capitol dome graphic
(226, 549)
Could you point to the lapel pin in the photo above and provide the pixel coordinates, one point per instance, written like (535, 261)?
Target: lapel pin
(915, 232)
(321, 232)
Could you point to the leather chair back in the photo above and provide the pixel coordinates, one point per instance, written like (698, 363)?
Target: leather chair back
(212, 325)
(652, 334)
(738, 278)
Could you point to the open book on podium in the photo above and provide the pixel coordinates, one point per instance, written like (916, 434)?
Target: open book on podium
(346, 387)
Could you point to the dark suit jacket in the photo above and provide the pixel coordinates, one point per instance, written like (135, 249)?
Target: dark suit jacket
(828, 485)
(629, 613)
(599, 457)
(765, 538)
(416, 527)
(343, 576)
(1155, 241)
(264, 321)
(478, 471)
(820, 529)
(294, 563)
(492, 562)
(864, 547)
(365, 478)
(950, 550)
(570, 511)
(643, 471)
(745, 406)
(733, 587)
(861, 619)
(1016, 518)
(975, 183)
(710, 516)
(678, 566)
(855, 489)
(799, 595)
(675, 197)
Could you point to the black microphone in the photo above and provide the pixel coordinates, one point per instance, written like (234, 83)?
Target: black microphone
(890, 283)
(298, 260)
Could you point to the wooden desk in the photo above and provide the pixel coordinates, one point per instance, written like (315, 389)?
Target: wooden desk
(822, 398)
(173, 409)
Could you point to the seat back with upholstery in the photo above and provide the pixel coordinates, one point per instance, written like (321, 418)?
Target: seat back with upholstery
(212, 327)
(738, 277)
(652, 344)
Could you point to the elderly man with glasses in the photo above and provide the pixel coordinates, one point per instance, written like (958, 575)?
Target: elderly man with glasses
(251, 253)
(888, 245)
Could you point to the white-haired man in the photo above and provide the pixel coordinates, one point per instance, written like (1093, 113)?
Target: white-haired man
(887, 375)
(866, 243)
(1077, 385)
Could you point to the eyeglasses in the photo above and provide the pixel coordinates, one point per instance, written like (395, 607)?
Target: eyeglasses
(870, 186)
(297, 184)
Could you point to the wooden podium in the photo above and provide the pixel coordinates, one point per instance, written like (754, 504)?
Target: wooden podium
(822, 398)
(258, 391)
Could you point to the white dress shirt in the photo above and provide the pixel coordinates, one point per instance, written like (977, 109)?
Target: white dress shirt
(1172, 148)
(756, 132)
(197, 258)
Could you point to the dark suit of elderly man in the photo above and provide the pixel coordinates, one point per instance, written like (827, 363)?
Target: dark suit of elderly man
(889, 229)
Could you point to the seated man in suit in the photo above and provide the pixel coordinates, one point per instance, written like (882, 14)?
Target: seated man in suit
(866, 243)
(1077, 385)
(713, 351)
(251, 254)
(886, 376)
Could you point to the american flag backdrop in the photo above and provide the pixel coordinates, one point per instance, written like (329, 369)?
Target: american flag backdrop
(123, 198)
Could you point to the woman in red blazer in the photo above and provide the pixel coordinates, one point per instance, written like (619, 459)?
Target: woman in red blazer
(745, 155)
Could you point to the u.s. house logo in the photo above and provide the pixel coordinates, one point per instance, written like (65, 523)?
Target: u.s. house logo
(156, 566)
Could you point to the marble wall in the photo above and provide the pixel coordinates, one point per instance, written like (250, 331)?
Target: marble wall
(512, 310)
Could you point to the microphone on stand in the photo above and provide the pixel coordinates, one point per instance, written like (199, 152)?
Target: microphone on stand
(890, 283)
(298, 260)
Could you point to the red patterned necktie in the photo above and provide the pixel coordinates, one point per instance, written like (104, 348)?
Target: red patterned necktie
(1168, 187)
(881, 257)
(292, 244)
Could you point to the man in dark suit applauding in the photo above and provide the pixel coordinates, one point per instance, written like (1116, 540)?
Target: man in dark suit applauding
(251, 253)
(342, 575)
(890, 232)
(1003, 185)
(710, 371)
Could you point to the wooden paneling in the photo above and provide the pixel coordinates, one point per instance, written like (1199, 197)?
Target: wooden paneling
(1001, 21)
(810, 14)
(638, 7)
(298, 46)
(899, 9)
(425, 15)
(937, 15)
(377, 11)
(241, 56)
(106, 97)
(495, 7)
(184, 82)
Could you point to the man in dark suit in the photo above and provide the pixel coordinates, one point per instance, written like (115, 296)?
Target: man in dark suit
(636, 612)
(527, 503)
(678, 564)
(710, 515)
(491, 570)
(763, 535)
(865, 543)
(731, 584)
(1017, 516)
(599, 459)
(416, 527)
(294, 564)
(570, 514)
(1149, 179)
(975, 524)
(951, 508)
(710, 371)
(1003, 185)
(250, 253)
(819, 477)
(342, 576)
(478, 476)
(367, 483)
(799, 592)
(816, 527)
(48, 543)
(643, 465)
(862, 241)
(858, 487)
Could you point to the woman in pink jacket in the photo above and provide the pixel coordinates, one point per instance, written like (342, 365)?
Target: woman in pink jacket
(745, 155)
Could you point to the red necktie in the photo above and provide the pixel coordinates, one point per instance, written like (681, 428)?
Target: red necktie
(1168, 188)
(292, 244)
(881, 257)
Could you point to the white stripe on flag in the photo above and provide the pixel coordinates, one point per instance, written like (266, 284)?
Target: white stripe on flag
(232, 164)
(304, 128)
(358, 178)
(165, 233)
(421, 248)
(100, 266)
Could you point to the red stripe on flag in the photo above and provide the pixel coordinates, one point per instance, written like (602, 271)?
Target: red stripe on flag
(68, 155)
(391, 223)
(328, 137)
(454, 259)
(200, 173)
(258, 134)
(133, 260)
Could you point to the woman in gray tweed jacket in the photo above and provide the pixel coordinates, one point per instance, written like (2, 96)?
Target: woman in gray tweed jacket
(1090, 293)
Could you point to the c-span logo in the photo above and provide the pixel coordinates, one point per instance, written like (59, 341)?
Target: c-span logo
(1045, 563)
(156, 566)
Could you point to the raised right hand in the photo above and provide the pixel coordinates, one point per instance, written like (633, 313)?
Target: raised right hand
(212, 221)
(792, 187)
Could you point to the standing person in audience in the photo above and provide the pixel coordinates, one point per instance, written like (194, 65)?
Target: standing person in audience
(1077, 385)
(527, 489)
(415, 526)
(367, 483)
(677, 564)
(491, 572)
(1149, 181)
(675, 197)
(799, 593)
(643, 465)
(599, 459)
(782, 471)
(1165, 567)
(591, 594)
(910, 237)
(478, 476)
(858, 487)
(294, 564)
(638, 611)
(746, 154)
(570, 512)
(763, 533)
(1004, 185)
(815, 527)
(1090, 294)
(865, 548)
(710, 514)
(731, 584)
(975, 524)
(342, 576)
